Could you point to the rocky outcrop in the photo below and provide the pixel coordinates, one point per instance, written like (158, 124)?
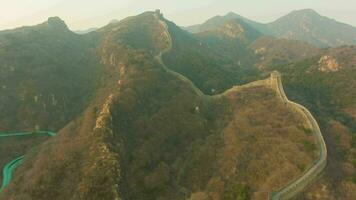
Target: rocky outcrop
(328, 64)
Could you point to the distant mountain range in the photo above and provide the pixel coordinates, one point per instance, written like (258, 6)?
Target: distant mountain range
(304, 25)
(86, 31)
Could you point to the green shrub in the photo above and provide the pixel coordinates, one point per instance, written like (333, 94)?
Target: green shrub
(309, 146)
(237, 192)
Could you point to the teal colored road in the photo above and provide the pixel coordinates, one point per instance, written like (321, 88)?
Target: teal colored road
(8, 169)
(11, 166)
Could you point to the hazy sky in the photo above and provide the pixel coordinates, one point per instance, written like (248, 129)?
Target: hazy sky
(82, 14)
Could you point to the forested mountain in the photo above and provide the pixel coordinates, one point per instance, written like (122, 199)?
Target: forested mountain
(323, 80)
(215, 61)
(145, 110)
(47, 75)
(150, 133)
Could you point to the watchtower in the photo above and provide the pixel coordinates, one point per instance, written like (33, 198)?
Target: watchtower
(158, 13)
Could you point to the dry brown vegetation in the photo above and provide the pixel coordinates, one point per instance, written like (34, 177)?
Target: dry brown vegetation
(260, 146)
(149, 136)
(339, 180)
(330, 95)
(276, 52)
(240, 144)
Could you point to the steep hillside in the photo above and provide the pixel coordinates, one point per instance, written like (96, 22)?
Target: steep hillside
(218, 21)
(148, 133)
(321, 79)
(325, 84)
(273, 52)
(214, 61)
(13, 147)
(234, 29)
(304, 25)
(47, 74)
(231, 40)
(328, 77)
(307, 25)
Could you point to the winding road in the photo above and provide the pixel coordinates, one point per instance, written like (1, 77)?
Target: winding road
(11, 166)
(311, 174)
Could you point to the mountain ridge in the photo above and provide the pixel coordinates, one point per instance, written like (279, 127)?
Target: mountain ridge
(305, 25)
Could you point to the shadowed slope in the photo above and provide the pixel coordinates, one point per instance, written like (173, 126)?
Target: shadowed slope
(47, 76)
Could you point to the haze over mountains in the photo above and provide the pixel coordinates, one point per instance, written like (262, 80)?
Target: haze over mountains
(145, 110)
(304, 25)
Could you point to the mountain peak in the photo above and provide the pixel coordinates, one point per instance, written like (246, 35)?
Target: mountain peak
(56, 22)
(300, 17)
(308, 12)
(114, 21)
(231, 15)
